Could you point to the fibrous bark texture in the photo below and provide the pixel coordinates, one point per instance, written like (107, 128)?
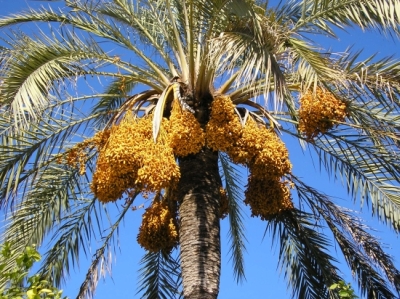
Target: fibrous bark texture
(199, 227)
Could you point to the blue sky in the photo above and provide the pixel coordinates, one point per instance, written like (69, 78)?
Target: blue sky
(263, 277)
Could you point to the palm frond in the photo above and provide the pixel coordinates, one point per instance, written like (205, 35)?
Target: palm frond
(23, 154)
(74, 234)
(56, 202)
(231, 177)
(160, 276)
(147, 28)
(250, 45)
(178, 43)
(55, 208)
(371, 173)
(214, 31)
(111, 31)
(378, 124)
(361, 250)
(100, 261)
(114, 97)
(381, 14)
(371, 79)
(288, 12)
(311, 66)
(90, 20)
(303, 254)
(159, 109)
(42, 209)
(34, 68)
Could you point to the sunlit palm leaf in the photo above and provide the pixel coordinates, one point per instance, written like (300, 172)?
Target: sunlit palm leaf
(73, 235)
(251, 44)
(56, 204)
(85, 18)
(42, 208)
(381, 14)
(142, 20)
(371, 80)
(312, 66)
(33, 70)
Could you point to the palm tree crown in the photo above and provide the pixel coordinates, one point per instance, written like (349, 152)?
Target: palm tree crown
(189, 90)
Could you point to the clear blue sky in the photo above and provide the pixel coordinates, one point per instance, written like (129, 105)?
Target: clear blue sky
(263, 277)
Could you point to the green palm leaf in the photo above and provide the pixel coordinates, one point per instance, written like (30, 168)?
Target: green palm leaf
(159, 276)
(351, 235)
(32, 72)
(231, 177)
(370, 173)
(100, 261)
(24, 153)
(58, 205)
(381, 14)
(303, 254)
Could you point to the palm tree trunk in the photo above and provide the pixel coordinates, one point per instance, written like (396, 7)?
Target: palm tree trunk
(199, 225)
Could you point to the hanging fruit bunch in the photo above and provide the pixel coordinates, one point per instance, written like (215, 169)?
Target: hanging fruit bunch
(77, 156)
(158, 230)
(267, 197)
(258, 148)
(247, 145)
(224, 127)
(185, 133)
(319, 113)
(129, 159)
(132, 160)
(267, 193)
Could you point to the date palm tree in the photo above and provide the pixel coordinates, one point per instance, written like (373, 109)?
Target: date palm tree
(219, 83)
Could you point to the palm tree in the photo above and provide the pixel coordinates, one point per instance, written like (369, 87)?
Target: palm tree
(189, 89)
